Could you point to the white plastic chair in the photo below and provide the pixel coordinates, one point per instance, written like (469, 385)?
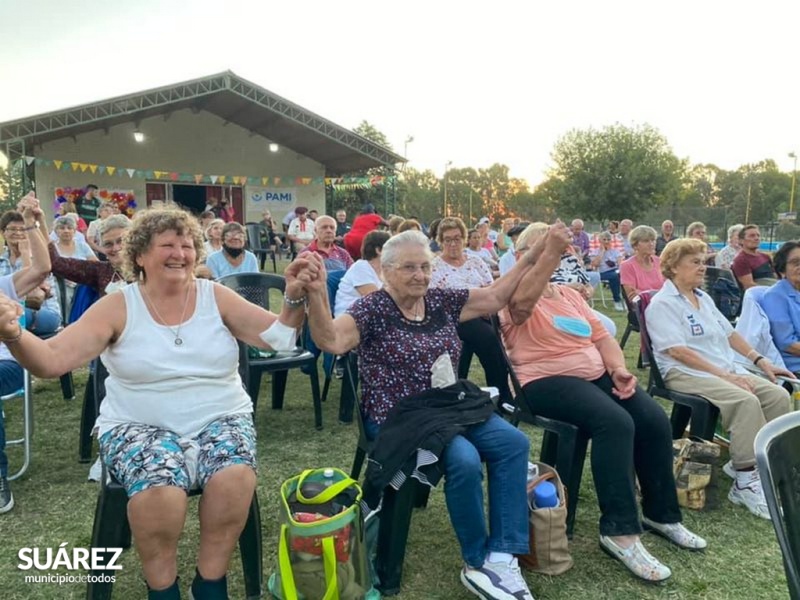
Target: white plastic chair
(26, 440)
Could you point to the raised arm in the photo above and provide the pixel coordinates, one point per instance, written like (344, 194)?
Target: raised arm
(30, 277)
(75, 346)
(247, 321)
(336, 336)
(522, 285)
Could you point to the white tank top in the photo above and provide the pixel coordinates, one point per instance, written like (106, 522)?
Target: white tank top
(179, 388)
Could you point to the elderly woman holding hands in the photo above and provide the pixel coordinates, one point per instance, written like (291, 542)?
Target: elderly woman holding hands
(694, 345)
(401, 331)
(642, 271)
(572, 370)
(175, 416)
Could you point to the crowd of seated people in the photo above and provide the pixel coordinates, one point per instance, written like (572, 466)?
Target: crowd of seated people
(410, 302)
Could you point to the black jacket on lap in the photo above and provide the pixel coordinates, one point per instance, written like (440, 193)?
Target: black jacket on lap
(428, 420)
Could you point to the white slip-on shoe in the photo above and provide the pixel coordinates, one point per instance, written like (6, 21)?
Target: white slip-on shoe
(676, 533)
(638, 560)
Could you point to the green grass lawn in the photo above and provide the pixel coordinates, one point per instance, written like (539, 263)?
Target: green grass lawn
(55, 504)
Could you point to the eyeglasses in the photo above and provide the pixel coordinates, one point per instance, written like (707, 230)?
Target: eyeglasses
(453, 240)
(14, 230)
(109, 244)
(411, 269)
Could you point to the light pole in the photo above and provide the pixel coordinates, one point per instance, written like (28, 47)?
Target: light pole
(794, 176)
(409, 139)
(446, 166)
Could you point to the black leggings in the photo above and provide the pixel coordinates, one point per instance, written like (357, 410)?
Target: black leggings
(628, 436)
(480, 338)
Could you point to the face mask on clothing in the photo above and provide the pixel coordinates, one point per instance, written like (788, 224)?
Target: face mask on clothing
(573, 326)
(233, 252)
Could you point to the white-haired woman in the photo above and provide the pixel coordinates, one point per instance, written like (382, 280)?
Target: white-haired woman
(642, 271)
(724, 258)
(401, 331)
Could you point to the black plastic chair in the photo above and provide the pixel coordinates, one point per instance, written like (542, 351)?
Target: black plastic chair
(111, 528)
(563, 444)
(255, 243)
(397, 506)
(777, 448)
(256, 287)
(686, 407)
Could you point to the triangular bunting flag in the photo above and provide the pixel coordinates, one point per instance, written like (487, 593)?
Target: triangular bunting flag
(213, 178)
(173, 176)
(277, 181)
(264, 180)
(29, 160)
(157, 174)
(58, 164)
(130, 172)
(101, 169)
(235, 180)
(222, 178)
(93, 168)
(74, 165)
(306, 180)
(84, 166)
(111, 170)
(198, 178)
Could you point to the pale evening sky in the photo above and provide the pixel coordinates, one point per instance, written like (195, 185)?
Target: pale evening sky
(473, 82)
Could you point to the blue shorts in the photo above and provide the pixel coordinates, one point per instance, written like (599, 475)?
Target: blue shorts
(141, 456)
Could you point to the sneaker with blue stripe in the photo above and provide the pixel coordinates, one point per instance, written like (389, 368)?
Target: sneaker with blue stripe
(496, 581)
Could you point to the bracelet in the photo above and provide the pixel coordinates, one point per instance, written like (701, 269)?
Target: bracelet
(760, 357)
(293, 302)
(15, 339)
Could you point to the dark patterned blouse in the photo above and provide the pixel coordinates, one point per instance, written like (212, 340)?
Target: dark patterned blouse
(95, 274)
(396, 354)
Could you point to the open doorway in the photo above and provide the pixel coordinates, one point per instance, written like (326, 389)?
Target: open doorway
(190, 197)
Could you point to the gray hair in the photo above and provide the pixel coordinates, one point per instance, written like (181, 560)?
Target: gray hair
(642, 233)
(113, 222)
(66, 221)
(694, 227)
(390, 253)
(733, 231)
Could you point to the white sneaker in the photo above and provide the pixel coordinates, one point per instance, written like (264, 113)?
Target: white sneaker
(746, 491)
(96, 470)
(496, 581)
(728, 469)
(619, 307)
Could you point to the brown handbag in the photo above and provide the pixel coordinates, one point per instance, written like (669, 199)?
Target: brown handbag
(549, 550)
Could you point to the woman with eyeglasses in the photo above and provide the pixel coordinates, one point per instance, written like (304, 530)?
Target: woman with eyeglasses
(455, 269)
(233, 258)
(104, 277)
(697, 231)
(406, 334)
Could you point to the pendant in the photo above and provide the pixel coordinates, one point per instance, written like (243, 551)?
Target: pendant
(178, 341)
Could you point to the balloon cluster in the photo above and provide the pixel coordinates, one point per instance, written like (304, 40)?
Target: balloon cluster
(125, 201)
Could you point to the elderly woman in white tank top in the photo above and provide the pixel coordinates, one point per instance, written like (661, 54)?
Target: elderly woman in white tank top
(174, 399)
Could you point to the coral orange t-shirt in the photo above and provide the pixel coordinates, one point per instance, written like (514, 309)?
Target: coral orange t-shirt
(537, 349)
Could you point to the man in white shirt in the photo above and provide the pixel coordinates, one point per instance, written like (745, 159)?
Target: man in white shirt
(301, 230)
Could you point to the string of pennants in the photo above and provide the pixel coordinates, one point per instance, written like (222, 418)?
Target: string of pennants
(198, 178)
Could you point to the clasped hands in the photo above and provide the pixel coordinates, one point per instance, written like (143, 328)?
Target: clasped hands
(10, 312)
(305, 275)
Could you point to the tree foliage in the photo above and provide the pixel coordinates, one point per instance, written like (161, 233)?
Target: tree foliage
(614, 172)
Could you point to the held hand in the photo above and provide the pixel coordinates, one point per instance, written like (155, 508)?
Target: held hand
(10, 312)
(559, 238)
(740, 381)
(624, 383)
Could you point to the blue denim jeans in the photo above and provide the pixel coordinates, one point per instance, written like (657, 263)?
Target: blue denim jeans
(10, 381)
(505, 451)
(612, 277)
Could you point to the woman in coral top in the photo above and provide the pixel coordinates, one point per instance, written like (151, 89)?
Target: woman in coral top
(572, 370)
(642, 271)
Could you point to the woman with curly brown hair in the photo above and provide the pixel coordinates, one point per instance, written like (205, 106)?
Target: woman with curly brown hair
(174, 398)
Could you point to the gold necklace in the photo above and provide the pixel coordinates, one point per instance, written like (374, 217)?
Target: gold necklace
(176, 332)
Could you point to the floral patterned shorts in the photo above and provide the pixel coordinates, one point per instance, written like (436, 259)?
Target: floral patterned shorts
(142, 456)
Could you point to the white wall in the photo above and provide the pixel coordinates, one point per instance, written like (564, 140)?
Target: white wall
(183, 142)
